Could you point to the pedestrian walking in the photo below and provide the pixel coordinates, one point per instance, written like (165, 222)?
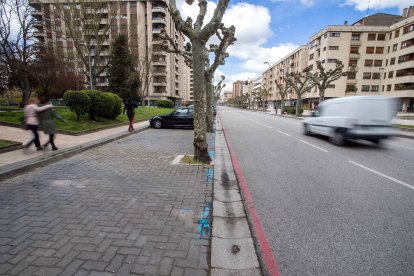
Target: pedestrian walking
(32, 122)
(48, 124)
(129, 107)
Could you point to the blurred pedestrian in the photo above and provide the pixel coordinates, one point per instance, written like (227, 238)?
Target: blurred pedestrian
(32, 122)
(48, 124)
(129, 107)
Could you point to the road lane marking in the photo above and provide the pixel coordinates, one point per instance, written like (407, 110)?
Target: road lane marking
(383, 175)
(313, 146)
(260, 123)
(399, 146)
(284, 133)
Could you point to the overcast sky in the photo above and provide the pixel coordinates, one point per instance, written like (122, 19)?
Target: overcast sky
(269, 30)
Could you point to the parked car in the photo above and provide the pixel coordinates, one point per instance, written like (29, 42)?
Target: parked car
(182, 117)
(359, 117)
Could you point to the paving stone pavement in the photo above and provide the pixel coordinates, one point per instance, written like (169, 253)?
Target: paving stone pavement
(118, 209)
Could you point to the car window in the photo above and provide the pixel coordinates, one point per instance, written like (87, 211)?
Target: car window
(181, 112)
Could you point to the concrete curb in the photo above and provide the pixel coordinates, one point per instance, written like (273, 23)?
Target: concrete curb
(13, 147)
(232, 248)
(14, 169)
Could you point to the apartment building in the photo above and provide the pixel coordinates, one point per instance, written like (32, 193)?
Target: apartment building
(378, 47)
(238, 88)
(141, 21)
(296, 61)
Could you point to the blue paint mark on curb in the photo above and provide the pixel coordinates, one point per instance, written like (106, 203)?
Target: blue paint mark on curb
(204, 223)
(211, 153)
(210, 175)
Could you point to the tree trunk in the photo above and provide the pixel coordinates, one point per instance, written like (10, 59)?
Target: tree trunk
(321, 95)
(298, 103)
(209, 104)
(282, 100)
(200, 134)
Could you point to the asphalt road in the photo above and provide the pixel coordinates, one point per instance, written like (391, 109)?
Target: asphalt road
(327, 210)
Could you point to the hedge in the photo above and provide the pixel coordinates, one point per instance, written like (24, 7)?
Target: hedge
(165, 103)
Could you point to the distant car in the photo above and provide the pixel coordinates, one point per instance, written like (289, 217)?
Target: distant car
(182, 117)
(359, 117)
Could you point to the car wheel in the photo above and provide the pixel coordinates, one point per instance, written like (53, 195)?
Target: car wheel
(306, 130)
(338, 138)
(157, 123)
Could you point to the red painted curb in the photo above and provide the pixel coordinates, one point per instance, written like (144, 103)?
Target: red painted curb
(267, 254)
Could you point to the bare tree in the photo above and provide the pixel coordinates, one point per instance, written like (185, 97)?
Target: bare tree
(322, 78)
(218, 88)
(87, 24)
(284, 88)
(198, 35)
(261, 95)
(300, 82)
(226, 38)
(17, 49)
(144, 75)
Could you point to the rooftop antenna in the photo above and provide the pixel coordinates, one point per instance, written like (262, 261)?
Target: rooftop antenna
(367, 9)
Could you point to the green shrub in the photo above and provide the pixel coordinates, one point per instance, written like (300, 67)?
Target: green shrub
(165, 103)
(78, 102)
(102, 104)
(117, 105)
(292, 110)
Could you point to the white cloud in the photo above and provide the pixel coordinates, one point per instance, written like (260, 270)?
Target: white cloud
(378, 4)
(253, 30)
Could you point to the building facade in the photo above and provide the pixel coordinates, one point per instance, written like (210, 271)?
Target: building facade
(378, 48)
(142, 21)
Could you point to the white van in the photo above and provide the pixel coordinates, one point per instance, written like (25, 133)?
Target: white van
(358, 117)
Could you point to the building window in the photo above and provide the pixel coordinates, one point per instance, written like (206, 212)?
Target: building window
(355, 37)
(407, 43)
(351, 88)
(351, 75)
(311, 67)
(368, 62)
(379, 50)
(394, 47)
(374, 88)
(365, 88)
(325, 35)
(408, 29)
(366, 76)
(381, 37)
(378, 62)
(332, 60)
(331, 86)
(310, 56)
(334, 34)
(392, 61)
(323, 61)
(324, 49)
(353, 62)
(375, 76)
(390, 74)
(354, 50)
(370, 50)
(396, 33)
(388, 49)
(334, 48)
(372, 36)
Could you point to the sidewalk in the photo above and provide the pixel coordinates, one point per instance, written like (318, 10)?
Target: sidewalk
(121, 208)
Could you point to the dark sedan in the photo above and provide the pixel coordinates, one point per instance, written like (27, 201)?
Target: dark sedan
(182, 117)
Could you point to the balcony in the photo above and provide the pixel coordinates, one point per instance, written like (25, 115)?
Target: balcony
(159, 73)
(159, 62)
(37, 14)
(356, 43)
(37, 24)
(39, 34)
(351, 81)
(159, 9)
(159, 20)
(354, 56)
(160, 83)
(156, 30)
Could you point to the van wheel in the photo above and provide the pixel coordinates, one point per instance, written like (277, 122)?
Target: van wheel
(306, 130)
(338, 138)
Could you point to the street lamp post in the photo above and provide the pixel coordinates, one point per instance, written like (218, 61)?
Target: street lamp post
(381, 74)
(89, 60)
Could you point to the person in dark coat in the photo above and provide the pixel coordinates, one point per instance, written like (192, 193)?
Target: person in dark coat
(129, 107)
(48, 124)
